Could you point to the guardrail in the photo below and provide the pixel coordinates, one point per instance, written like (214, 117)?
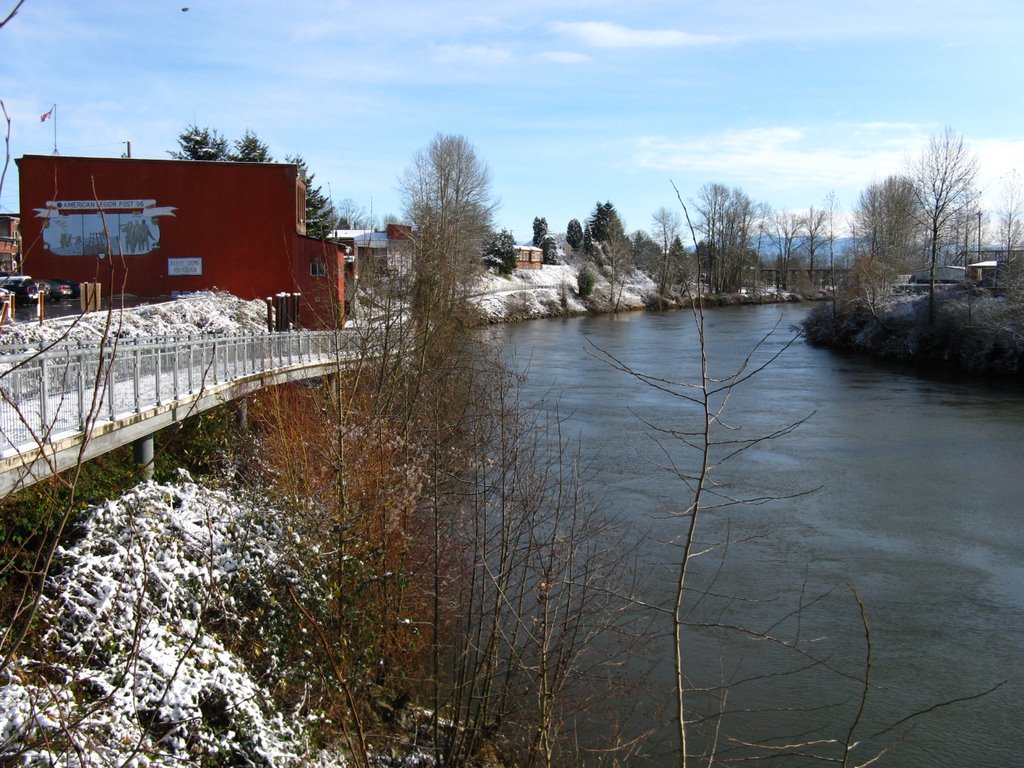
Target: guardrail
(65, 388)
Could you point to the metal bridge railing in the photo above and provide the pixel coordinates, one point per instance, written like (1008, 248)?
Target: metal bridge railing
(63, 388)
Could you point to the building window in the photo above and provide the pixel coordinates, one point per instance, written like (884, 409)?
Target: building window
(317, 269)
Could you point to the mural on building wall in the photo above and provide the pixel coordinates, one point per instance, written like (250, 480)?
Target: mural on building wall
(81, 227)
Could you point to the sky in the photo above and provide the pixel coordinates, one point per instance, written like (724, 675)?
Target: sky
(568, 102)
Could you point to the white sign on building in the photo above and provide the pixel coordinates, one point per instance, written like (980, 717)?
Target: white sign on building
(184, 266)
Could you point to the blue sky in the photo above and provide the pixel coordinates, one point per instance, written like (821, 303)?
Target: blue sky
(569, 102)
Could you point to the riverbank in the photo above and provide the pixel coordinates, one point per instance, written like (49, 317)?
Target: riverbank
(970, 332)
(526, 294)
(553, 291)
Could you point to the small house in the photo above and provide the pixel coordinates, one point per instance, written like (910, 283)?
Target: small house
(529, 257)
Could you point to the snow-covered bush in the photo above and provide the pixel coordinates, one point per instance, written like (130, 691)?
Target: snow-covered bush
(974, 333)
(128, 668)
(585, 281)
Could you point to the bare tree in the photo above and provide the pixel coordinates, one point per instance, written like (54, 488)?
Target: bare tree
(886, 236)
(815, 226)
(12, 13)
(885, 223)
(665, 227)
(728, 219)
(351, 215)
(446, 192)
(943, 178)
(1010, 215)
(831, 223)
(786, 227)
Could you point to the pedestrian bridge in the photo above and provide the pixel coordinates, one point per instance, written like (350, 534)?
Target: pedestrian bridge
(64, 403)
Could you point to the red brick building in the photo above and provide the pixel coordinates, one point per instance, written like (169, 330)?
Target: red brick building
(157, 227)
(10, 243)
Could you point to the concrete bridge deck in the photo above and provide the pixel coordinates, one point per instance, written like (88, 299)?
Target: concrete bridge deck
(63, 404)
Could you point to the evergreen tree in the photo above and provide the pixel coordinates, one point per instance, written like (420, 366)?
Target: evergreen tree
(588, 241)
(605, 224)
(574, 234)
(646, 253)
(550, 248)
(249, 149)
(585, 280)
(677, 251)
(201, 144)
(500, 251)
(540, 231)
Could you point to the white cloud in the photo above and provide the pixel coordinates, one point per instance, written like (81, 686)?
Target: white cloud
(793, 167)
(840, 156)
(603, 34)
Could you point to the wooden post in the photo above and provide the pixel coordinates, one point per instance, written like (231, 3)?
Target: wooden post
(89, 296)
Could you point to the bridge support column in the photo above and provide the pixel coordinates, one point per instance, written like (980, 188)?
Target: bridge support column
(144, 456)
(242, 414)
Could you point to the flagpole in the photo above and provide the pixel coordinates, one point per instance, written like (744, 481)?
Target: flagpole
(55, 130)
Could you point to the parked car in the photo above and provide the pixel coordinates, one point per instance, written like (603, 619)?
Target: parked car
(24, 287)
(71, 284)
(59, 290)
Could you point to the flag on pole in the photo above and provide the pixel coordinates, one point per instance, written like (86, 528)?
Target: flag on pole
(44, 117)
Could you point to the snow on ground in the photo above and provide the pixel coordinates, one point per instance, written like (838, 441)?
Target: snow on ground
(198, 314)
(132, 671)
(526, 293)
(552, 290)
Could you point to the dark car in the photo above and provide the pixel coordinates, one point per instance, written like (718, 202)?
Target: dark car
(24, 287)
(59, 290)
(70, 284)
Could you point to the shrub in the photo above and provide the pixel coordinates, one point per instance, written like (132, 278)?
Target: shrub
(585, 281)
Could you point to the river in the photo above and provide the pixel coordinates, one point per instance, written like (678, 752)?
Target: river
(901, 488)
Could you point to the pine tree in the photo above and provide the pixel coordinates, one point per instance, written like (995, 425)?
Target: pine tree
(550, 249)
(249, 149)
(574, 234)
(605, 224)
(540, 231)
(201, 144)
(500, 251)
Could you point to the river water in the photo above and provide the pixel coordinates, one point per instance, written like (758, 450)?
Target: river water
(902, 488)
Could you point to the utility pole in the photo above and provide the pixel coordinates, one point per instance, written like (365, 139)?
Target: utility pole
(979, 234)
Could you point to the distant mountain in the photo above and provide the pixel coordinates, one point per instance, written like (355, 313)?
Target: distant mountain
(843, 246)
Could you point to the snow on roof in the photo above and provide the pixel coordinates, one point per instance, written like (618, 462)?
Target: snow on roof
(347, 234)
(984, 264)
(372, 240)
